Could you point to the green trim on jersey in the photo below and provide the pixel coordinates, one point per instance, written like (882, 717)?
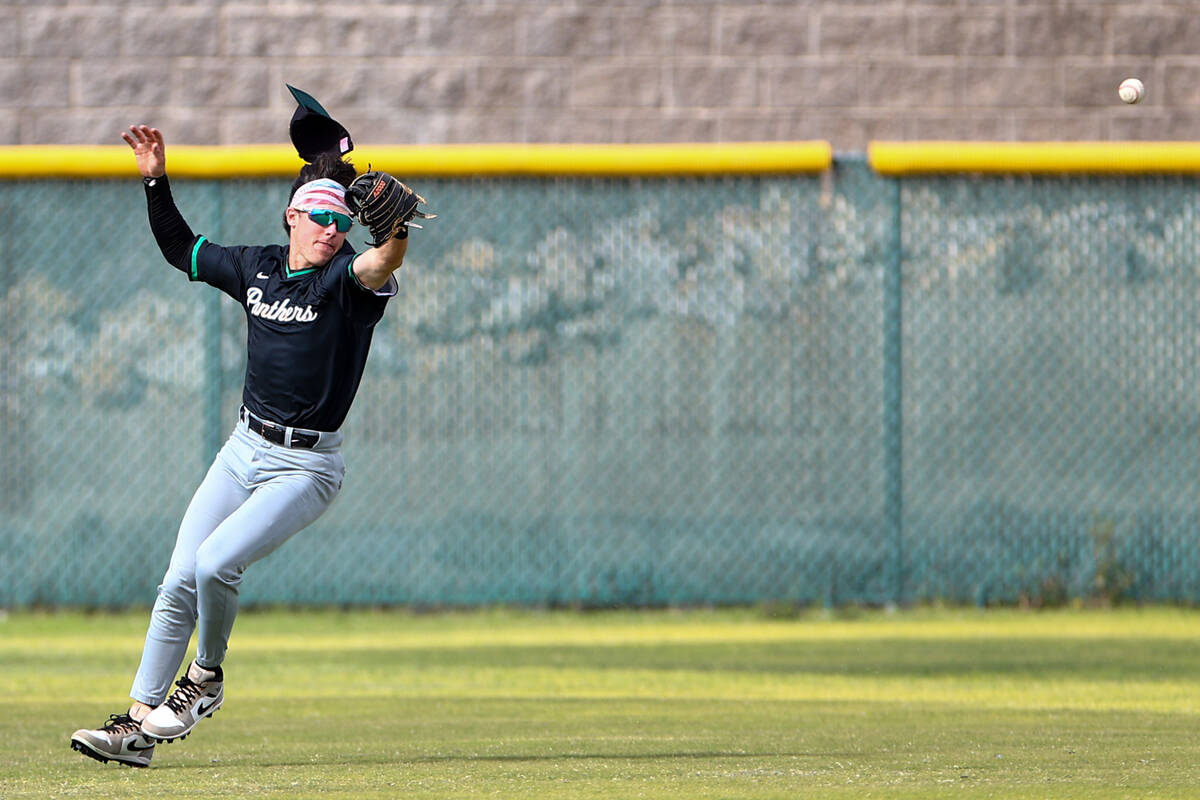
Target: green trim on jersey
(350, 269)
(287, 271)
(194, 274)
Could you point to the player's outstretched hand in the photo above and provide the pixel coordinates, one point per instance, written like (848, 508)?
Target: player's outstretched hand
(148, 149)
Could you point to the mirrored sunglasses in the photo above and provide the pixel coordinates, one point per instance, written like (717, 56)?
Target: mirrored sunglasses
(324, 218)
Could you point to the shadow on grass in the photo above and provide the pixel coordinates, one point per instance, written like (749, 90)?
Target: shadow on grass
(500, 758)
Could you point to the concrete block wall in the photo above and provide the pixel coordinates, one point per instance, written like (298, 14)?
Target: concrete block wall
(213, 71)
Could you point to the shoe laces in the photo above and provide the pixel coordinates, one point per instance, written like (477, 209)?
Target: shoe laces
(121, 723)
(184, 696)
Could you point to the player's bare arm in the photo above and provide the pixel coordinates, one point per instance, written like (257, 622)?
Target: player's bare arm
(375, 265)
(148, 148)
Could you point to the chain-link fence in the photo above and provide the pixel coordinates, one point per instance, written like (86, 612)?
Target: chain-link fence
(835, 388)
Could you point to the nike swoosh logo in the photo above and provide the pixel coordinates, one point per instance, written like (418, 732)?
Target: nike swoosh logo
(137, 749)
(262, 276)
(200, 709)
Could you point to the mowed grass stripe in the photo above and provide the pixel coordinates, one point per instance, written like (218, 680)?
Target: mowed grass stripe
(303, 631)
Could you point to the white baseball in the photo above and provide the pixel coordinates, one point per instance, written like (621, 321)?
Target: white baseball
(1131, 90)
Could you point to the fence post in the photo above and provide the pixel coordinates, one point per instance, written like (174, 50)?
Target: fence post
(893, 397)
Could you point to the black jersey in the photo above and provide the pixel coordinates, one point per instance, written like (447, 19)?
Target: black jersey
(308, 332)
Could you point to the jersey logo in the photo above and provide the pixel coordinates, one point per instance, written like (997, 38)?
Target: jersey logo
(262, 276)
(280, 310)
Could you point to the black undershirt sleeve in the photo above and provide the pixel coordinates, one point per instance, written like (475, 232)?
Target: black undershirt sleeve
(171, 231)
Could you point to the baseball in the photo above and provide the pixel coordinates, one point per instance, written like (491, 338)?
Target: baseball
(1131, 90)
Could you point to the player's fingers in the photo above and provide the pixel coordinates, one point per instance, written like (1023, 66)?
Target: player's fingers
(134, 136)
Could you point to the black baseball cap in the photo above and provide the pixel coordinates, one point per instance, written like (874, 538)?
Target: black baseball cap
(313, 131)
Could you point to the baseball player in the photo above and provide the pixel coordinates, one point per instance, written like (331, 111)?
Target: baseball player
(311, 307)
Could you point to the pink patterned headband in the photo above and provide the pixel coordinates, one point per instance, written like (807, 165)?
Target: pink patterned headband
(321, 193)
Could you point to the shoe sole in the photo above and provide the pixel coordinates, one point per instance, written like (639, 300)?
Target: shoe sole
(103, 759)
(179, 737)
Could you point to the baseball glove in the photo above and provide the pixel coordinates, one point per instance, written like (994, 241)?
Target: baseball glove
(384, 206)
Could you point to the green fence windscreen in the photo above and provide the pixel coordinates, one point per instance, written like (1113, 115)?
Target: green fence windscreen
(837, 388)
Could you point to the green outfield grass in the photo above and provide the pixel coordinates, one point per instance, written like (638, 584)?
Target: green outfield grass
(697, 704)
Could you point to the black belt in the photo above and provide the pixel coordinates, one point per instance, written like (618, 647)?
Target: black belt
(278, 434)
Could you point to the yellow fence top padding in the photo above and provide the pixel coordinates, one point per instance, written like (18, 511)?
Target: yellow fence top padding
(914, 158)
(261, 161)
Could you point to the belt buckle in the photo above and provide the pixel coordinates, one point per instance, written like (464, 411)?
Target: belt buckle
(272, 432)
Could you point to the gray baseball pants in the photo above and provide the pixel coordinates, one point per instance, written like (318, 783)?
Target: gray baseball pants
(255, 496)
